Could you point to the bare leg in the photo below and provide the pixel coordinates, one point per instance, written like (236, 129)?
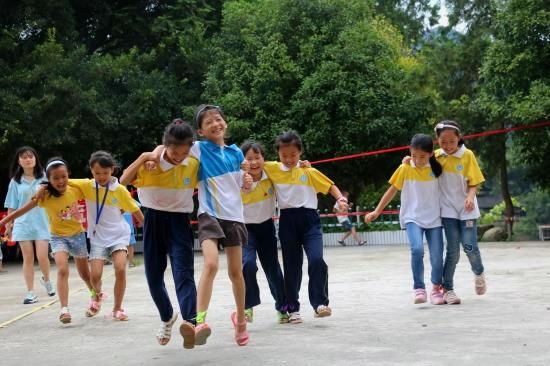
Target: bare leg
(235, 272)
(62, 264)
(119, 263)
(83, 271)
(96, 273)
(204, 293)
(27, 249)
(130, 254)
(42, 247)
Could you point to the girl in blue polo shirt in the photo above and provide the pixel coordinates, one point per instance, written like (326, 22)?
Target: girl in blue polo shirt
(27, 174)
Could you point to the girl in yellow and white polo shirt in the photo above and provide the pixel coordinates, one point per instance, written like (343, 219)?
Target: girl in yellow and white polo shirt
(459, 209)
(419, 214)
(296, 189)
(108, 231)
(259, 208)
(61, 204)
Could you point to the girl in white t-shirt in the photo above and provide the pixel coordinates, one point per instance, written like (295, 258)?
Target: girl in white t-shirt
(108, 231)
(419, 214)
(344, 220)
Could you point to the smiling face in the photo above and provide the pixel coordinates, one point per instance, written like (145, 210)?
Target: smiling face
(289, 155)
(256, 161)
(59, 177)
(102, 175)
(213, 126)
(420, 157)
(175, 154)
(27, 160)
(448, 140)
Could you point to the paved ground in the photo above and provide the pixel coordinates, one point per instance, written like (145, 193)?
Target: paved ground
(374, 321)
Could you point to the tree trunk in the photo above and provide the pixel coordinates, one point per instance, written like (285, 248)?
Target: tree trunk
(509, 206)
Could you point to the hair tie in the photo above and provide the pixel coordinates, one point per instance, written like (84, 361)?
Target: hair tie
(55, 162)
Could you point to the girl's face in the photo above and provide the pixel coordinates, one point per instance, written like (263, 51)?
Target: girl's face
(59, 177)
(420, 157)
(175, 154)
(448, 140)
(102, 175)
(256, 161)
(27, 160)
(289, 155)
(213, 126)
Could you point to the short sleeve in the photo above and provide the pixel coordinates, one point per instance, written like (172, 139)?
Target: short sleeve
(12, 199)
(473, 173)
(196, 150)
(319, 181)
(398, 177)
(127, 203)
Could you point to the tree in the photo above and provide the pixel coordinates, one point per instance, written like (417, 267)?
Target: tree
(331, 70)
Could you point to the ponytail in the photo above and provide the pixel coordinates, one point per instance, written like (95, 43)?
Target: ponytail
(437, 169)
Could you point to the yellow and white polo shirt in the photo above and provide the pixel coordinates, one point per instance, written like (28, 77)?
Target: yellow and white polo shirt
(419, 195)
(297, 187)
(112, 228)
(460, 171)
(259, 203)
(169, 187)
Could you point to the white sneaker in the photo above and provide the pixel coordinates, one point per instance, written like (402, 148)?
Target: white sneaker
(323, 311)
(50, 288)
(295, 318)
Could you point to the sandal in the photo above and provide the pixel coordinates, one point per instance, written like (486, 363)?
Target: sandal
(241, 334)
(119, 315)
(65, 316)
(202, 332)
(165, 331)
(95, 305)
(187, 331)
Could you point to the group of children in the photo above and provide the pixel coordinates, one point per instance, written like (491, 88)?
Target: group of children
(237, 193)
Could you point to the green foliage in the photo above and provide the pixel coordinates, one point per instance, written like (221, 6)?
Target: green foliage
(496, 213)
(331, 70)
(537, 207)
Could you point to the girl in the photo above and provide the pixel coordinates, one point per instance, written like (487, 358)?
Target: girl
(344, 220)
(459, 209)
(61, 204)
(419, 214)
(259, 207)
(167, 193)
(296, 189)
(108, 231)
(27, 174)
(221, 218)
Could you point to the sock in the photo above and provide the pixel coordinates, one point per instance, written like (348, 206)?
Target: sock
(201, 317)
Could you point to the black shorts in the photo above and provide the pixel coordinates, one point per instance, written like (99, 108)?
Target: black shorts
(228, 233)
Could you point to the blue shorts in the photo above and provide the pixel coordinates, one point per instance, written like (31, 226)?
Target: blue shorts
(26, 232)
(74, 245)
(97, 252)
(347, 224)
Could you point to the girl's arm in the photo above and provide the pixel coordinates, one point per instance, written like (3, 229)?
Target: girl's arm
(339, 197)
(19, 212)
(470, 197)
(138, 215)
(130, 173)
(386, 198)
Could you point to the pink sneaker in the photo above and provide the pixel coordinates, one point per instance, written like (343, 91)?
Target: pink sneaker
(436, 296)
(480, 284)
(419, 296)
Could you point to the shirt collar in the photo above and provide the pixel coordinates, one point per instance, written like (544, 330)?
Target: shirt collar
(459, 153)
(113, 183)
(165, 165)
(284, 168)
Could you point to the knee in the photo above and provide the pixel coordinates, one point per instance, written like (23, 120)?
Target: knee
(62, 272)
(235, 274)
(210, 267)
(317, 262)
(417, 252)
(120, 271)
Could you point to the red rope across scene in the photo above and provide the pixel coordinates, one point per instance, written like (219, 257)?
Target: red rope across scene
(467, 137)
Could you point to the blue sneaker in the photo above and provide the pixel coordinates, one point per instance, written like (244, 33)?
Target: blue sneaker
(30, 298)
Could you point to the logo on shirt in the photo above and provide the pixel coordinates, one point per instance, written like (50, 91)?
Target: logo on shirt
(460, 167)
(270, 191)
(303, 178)
(187, 181)
(70, 213)
(114, 201)
(432, 174)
